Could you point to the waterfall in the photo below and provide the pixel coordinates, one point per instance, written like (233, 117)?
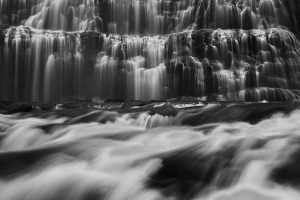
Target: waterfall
(132, 64)
(148, 17)
(149, 99)
(58, 50)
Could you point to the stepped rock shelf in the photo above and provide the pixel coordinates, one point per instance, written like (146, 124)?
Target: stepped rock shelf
(57, 50)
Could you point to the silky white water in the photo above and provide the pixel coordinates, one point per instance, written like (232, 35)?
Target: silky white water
(125, 157)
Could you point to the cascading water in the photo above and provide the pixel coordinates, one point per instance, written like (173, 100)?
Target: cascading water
(52, 14)
(134, 65)
(90, 70)
(224, 49)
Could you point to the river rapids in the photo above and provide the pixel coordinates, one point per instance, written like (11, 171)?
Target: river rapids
(158, 152)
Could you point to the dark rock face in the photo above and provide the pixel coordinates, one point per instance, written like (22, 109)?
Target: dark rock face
(293, 7)
(203, 170)
(288, 173)
(251, 113)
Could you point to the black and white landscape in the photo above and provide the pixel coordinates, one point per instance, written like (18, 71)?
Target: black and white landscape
(149, 99)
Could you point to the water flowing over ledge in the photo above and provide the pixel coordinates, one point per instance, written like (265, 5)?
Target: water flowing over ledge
(150, 16)
(250, 65)
(58, 50)
(149, 99)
